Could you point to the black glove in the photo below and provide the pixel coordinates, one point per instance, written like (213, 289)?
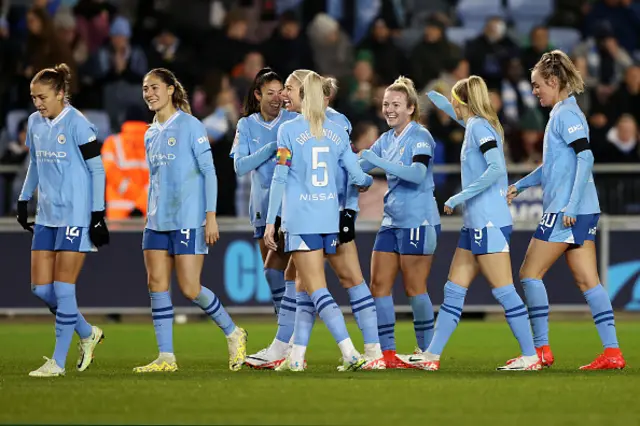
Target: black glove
(277, 224)
(23, 216)
(98, 232)
(347, 226)
(136, 213)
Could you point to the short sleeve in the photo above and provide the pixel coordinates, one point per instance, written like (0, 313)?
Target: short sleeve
(571, 127)
(199, 138)
(240, 145)
(85, 132)
(422, 144)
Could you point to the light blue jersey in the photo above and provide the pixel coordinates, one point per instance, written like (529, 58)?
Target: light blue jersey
(183, 185)
(566, 125)
(407, 204)
(488, 208)
(343, 175)
(59, 170)
(254, 151)
(307, 167)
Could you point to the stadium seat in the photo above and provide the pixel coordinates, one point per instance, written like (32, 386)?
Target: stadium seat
(100, 119)
(409, 38)
(13, 120)
(460, 35)
(564, 39)
(526, 17)
(474, 13)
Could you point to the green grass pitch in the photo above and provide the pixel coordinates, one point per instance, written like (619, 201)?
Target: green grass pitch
(466, 391)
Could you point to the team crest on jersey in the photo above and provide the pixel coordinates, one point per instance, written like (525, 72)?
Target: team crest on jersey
(62, 139)
(171, 141)
(402, 150)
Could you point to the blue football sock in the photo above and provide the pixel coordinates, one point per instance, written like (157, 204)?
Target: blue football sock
(448, 316)
(47, 294)
(330, 313)
(602, 313)
(66, 318)
(386, 322)
(538, 306)
(275, 278)
(305, 318)
(422, 319)
(287, 314)
(212, 306)
(364, 311)
(162, 315)
(516, 314)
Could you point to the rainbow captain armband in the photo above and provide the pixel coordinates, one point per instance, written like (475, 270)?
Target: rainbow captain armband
(283, 157)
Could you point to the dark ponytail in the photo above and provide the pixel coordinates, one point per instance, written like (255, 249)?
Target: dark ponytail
(58, 77)
(251, 103)
(179, 99)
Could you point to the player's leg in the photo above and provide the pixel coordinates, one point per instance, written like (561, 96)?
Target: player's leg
(385, 264)
(582, 262)
(189, 260)
(346, 264)
(274, 266)
(545, 248)
(159, 264)
(496, 268)
(310, 267)
(416, 247)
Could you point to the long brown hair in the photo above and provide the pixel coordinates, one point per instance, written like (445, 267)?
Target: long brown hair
(179, 98)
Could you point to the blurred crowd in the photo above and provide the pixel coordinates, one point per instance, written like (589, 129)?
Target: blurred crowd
(216, 47)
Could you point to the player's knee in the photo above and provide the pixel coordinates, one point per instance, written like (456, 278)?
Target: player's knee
(290, 272)
(380, 289)
(350, 281)
(585, 282)
(415, 287)
(528, 272)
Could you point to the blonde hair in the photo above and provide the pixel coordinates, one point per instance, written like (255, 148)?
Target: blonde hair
(405, 85)
(313, 109)
(472, 92)
(557, 64)
(329, 84)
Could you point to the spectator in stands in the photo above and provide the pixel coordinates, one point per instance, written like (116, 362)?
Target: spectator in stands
(93, 21)
(538, 44)
(585, 99)
(375, 113)
(429, 57)
(525, 145)
(288, 48)
(454, 70)
(356, 96)
(66, 29)
(332, 48)
(516, 91)
(168, 51)
(620, 17)
(119, 68)
(626, 99)
(15, 155)
(388, 59)
(489, 50)
(446, 131)
(126, 169)
(229, 49)
(246, 72)
(7, 63)
(621, 145)
(568, 13)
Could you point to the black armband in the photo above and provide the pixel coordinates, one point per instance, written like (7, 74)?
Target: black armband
(90, 150)
(580, 145)
(422, 159)
(487, 146)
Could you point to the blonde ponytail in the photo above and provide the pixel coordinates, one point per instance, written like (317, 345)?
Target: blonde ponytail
(405, 85)
(557, 64)
(474, 94)
(313, 109)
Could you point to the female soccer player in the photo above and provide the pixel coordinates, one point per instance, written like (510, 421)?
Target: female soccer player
(484, 239)
(66, 167)
(309, 148)
(181, 218)
(571, 210)
(411, 224)
(345, 264)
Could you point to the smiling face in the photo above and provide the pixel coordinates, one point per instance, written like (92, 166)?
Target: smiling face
(270, 98)
(291, 95)
(545, 90)
(46, 100)
(156, 93)
(395, 109)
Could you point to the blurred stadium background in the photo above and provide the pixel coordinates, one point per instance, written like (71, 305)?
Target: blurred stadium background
(216, 47)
